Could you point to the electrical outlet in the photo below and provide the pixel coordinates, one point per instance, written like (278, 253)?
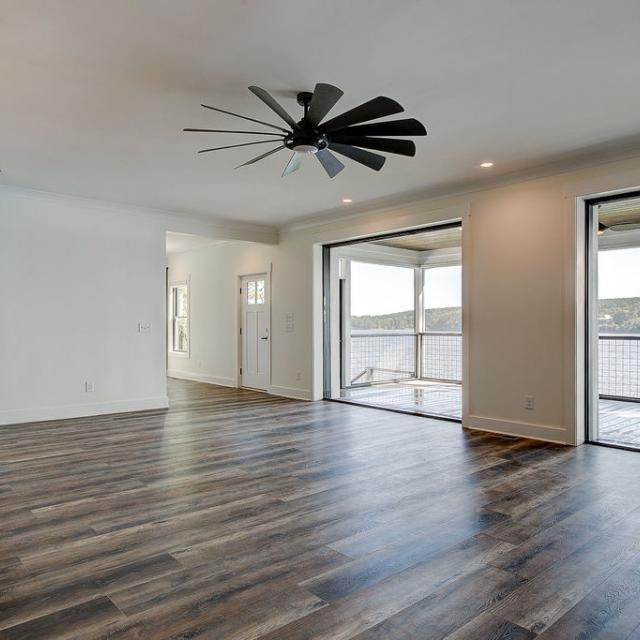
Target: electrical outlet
(529, 402)
(298, 376)
(89, 387)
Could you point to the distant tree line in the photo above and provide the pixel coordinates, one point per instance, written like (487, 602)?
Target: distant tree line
(615, 315)
(444, 319)
(619, 315)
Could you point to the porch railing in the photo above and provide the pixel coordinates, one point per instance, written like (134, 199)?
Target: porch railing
(619, 366)
(394, 356)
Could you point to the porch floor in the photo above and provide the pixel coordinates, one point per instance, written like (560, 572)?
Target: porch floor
(620, 423)
(619, 420)
(417, 396)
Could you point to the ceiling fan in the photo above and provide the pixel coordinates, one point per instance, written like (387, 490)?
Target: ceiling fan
(344, 134)
(627, 226)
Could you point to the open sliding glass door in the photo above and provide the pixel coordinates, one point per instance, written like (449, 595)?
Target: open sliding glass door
(393, 338)
(613, 321)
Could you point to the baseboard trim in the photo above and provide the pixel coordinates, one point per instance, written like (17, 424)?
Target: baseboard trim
(201, 377)
(545, 433)
(291, 392)
(46, 414)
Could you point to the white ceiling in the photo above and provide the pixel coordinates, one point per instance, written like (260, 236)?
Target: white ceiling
(94, 94)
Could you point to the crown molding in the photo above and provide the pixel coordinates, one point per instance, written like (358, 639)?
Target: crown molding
(189, 223)
(593, 156)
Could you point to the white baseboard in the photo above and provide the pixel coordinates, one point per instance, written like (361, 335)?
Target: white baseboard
(291, 392)
(201, 377)
(20, 416)
(546, 433)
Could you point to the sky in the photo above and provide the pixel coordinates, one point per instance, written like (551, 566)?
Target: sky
(381, 289)
(619, 273)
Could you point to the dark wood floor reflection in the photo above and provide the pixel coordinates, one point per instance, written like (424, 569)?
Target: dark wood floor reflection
(237, 515)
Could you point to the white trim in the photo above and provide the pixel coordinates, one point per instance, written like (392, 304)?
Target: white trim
(548, 433)
(291, 392)
(201, 377)
(19, 416)
(420, 201)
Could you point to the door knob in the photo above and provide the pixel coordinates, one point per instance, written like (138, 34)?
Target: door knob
(265, 338)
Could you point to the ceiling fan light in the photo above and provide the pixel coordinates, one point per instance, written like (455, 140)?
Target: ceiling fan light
(305, 148)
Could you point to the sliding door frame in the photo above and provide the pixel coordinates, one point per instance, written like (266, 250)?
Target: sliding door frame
(326, 316)
(591, 346)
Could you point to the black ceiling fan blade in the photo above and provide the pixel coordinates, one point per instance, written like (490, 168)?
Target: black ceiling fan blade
(294, 163)
(401, 147)
(331, 164)
(261, 156)
(324, 99)
(625, 226)
(231, 146)
(274, 105)
(406, 127)
(372, 160)
(237, 115)
(253, 133)
(376, 108)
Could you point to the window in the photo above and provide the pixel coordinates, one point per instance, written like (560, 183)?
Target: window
(180, 318)
(382, 298)
(255, 292)
(443, 299)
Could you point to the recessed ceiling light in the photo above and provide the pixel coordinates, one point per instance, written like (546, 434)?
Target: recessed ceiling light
(347, 200)
(486, 165)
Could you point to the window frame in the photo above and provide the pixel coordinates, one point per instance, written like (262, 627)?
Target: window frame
(173, 288)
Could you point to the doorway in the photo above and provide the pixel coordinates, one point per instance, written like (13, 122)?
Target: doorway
(393, 331)
(613, 321)
(255, 331)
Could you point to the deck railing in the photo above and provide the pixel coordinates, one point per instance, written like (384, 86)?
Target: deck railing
(619, 366)
(393, 356)
(378, 357)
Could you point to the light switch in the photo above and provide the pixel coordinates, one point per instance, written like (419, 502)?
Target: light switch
(289, 323)
(144, 327)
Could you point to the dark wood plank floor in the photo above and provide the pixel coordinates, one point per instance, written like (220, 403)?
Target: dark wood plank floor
(237, 515)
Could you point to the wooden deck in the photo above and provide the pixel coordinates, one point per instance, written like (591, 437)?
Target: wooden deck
(414, 396)
(620, 423)
(241, 516)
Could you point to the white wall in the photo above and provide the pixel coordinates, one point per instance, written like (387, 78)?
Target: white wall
(75, 281)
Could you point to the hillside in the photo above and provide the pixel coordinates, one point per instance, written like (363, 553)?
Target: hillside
(616, 315)
(619, 315)
(445, 319)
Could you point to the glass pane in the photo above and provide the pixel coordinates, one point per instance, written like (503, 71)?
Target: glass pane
(181, 337)
(251, 292)
(260, 291)
(619, 290)
(182, 302)
(442, 297)
(382, 298)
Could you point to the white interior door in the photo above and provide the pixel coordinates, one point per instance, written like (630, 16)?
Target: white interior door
(256, 331)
